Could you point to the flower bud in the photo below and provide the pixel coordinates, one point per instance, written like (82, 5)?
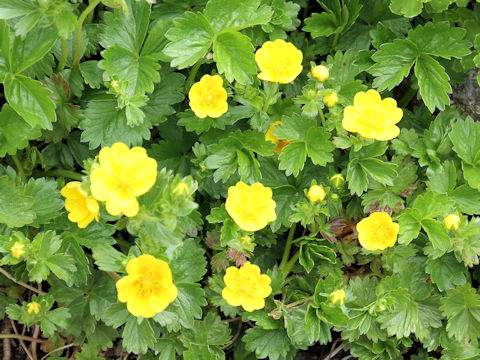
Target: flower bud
(337, 180)
(316, 193)
(181, 188)
(331, 99)
(33, 307)
(452, 221)
(320, 73)
(17, 250)
(338, 296)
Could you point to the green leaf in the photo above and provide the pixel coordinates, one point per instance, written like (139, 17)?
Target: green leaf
(188, 263)
(433, 82)
(468, 199)
(47, 202)
(408, 8)
(439, 39)
(234, 15)
(324, 24)
(393, 63)
(319, 146)
(91, 73)
(10, 9)
(108, 258)
(273, 344)
(16, 209)
(30, 100)
(410, 226)
(357, 178)
(471, 175)
(446, 272)
(137, 337)
(461, 306)
(437, 234)
(402, 320)
(14, 132)
(233, 53)
(292, 158)
(379, 170)
(188, 304)
(294, 321)
(468, 151)
(190, 39)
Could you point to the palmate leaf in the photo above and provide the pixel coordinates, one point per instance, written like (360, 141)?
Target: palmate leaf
(271, 344)
(16, 208)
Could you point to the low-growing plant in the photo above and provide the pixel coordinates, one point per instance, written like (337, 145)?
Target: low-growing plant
(239, 179)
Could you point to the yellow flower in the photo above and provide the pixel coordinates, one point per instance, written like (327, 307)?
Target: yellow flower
(17, 250)
(338, 296)
(452, 221)
(279, 61)
(251, 207)
(181, 188)
(280, 144)
(316, 193)
(208, 97)
(122, 175)
(372, 117)
(148, 288)
(82, 209)
(246, 287)
(377, 232)
(320, 73)
(337, 180)
(33, 307)
(330, 99)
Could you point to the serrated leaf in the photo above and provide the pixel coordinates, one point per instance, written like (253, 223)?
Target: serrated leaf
(190, 39)
(273, 344)
(403, 318)
(319, 146)
(410, 226)
(234, 15)
(30, 100)
(408, 8)
(292, 158)
(357, 178)
(437, 234)
(324, 24)
(188, 304)
(379, 170)
(188, 263)
(137, 337)
(16, 209)
(446, 272)
(47, 201)
(393, 63)
(233, 53)
(468, 151)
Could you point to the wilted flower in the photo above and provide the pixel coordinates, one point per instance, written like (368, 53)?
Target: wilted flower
(251, 207)
(269, 136)
(320, 73)
(82, 209)
(279, 61)
(33, 308)
(452, 221)
(372, 117)
(122, 175)
(338, 296)
(316, 193)
(17, 250)
(208, 97)
(377, 232)
(148, 288)
(246, 287)
(330, 99)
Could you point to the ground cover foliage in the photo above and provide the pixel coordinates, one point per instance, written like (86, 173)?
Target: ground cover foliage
(159, 198)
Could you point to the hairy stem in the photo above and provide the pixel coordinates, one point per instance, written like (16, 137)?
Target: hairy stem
(288, 246)
(78, 30)
(289, 265)
(63, 58)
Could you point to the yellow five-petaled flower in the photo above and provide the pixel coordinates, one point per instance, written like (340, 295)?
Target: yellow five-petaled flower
(122, 175)
(279, 61)
(33, 308)
(246, 287)
(148, 288)
(251, 207)
(82, 209)
(372, 117)
(377, 232)
(17, 250)
(208, 97)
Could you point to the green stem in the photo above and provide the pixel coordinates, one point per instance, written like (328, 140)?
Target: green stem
(63, 58)
(65, 173)
(290, 264)
(407, 97)
(78, 30)
(192, 74)
(19, 167)
(322, 116)
(299, 302)
(26, 286)
(273, 89)
(288, 246)
(244, 355)
(335, 41)
(21, 337)
(113, 275)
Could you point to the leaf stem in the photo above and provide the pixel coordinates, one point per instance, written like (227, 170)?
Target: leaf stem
(322, 116)
(192, 74)
(78, 31)
(113, 275)
(21, 337)
(289, 265)
(26, 286)
(64, 56)
(335, 41)
(273, 88)
(407, 97)
(65, 173)
(19, 167)
(288, 246)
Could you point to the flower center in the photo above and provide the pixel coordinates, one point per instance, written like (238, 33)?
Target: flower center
(147, 285)
(245, 287)
(372, 118)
